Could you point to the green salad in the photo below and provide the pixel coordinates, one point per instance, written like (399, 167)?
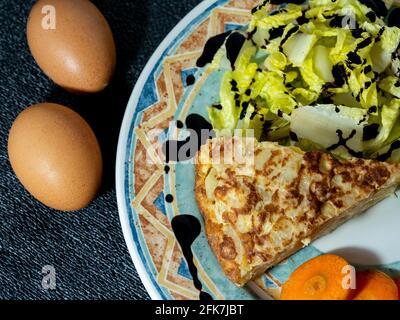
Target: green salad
(321, 75)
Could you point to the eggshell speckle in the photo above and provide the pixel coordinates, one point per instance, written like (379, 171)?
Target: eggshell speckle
(56, 156)
(72, 43)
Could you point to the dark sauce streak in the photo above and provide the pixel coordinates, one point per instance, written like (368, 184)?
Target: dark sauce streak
(186, 229)
(353, 58)
(251, 34)
(233, 46)
(288, 35)
(234, 86)
(267, 126)
(274, 13)
(367, 69)
(210, 49)
(365, 43)
(385, 156)
(287, 1)
(362, 120)
(302, 19)
(371, 16)
(190, 80)
(255, 9)
(343, 142)
(197, 123)
(245, 105)
(197, 126)
(357, 32)
(394, 18)
(276, 32)
(371, 131)
(380, 33)
(169, 198)
(339, 74)
(336, 22)
(377, 6)
(293, 136)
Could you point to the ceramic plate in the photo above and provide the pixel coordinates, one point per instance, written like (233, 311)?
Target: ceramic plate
(169, 89)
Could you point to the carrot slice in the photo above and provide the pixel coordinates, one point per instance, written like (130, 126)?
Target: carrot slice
(318, 279)
(398, 286)
(375, 285)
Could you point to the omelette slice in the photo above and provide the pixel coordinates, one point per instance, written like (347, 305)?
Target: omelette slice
(271, 201)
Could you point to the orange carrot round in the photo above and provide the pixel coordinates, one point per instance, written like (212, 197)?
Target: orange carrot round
(318, 279)
(398, 286)
(375, 285)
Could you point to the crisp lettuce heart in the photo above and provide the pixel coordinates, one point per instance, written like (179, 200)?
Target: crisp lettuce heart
(326, 70)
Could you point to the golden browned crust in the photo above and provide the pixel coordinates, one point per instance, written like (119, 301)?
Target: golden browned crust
(257, 214)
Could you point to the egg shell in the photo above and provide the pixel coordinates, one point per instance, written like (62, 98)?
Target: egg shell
(72, 43)
(56, 156)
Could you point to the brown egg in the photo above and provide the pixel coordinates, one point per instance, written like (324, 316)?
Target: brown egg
(56, 156)
(72, 43)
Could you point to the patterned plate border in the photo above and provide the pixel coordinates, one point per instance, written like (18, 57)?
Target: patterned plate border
(125, 145)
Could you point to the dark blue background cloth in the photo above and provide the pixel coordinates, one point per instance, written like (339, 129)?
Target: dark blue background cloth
(86, 248)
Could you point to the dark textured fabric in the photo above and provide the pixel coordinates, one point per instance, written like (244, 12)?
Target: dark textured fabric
(86, 248)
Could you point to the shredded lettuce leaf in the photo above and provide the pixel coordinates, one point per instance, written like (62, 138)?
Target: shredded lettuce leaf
(300, 64)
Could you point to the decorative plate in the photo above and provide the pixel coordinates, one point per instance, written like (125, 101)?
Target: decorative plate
(150, 194)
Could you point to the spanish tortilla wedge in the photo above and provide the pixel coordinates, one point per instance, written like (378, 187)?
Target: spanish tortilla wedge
(262, 209)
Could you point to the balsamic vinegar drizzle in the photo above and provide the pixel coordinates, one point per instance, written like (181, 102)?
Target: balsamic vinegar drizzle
(169, 198)
(288, 35)
(371, 131)
(343, 142)
(385, 156)
(302, 19)
(186, 229)
(378, 6)
(210, 49)
(339, 74)
(172, 148)
(371, 16)
(276, 32)
(255, 9)
(336, 22)
(373, 109)
(394, 18)
(217, 106)
(190, 80)
(197, 123)
(293, 136)
(245, 105)
(286, 1)
(233, 46)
